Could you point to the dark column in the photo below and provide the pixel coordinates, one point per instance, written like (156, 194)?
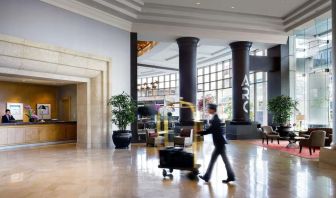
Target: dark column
(188, 76)
(240, 82)
(333, 11)
(134, 77)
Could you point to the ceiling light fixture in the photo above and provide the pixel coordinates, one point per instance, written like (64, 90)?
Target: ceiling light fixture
(198, 3)
(232, 7)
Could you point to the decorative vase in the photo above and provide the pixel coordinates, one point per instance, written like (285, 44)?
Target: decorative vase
(122, 139)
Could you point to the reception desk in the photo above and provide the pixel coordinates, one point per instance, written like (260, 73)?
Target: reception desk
(22, 133)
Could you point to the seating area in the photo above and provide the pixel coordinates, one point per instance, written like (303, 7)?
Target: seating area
(313, 138)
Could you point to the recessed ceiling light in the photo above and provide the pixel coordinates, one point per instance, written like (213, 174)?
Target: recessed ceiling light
(198, 3)
(232, 7)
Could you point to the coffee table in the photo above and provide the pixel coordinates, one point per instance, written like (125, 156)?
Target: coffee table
(292, 141)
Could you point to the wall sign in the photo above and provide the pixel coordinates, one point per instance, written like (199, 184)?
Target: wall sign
(246, 93)
(16, 110)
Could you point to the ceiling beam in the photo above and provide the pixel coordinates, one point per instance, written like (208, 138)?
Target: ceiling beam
(157, 67)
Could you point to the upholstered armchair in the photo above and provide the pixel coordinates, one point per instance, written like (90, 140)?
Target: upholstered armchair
(185, 138)
(153, 138)
(328, 131)
(268, 133)
(315, 140)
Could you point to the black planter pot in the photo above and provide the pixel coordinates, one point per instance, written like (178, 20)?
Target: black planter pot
(284, 131)
(121, 139)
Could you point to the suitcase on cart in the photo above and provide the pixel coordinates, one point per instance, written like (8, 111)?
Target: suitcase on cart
(176, 158)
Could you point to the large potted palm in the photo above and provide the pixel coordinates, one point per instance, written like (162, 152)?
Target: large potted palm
(281, 108)
(123, 109)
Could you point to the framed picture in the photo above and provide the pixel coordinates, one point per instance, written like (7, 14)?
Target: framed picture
(16, 110)
(44, 111)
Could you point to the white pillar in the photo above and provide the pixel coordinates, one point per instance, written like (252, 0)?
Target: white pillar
(334, 70)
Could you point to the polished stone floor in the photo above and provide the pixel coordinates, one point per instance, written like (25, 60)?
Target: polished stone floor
(66, 171)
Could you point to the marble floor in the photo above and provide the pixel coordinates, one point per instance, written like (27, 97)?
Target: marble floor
(66, 171)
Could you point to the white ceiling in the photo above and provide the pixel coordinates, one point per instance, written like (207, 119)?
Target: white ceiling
(274, 8)
(262, 21)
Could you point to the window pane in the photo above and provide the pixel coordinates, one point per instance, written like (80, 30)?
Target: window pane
(227, 83)
(206, 86)
(167, 77)
(219, 84)
(206, 78)
(206, 70)
(200, 79)
(200, 72)
(161, 85)
(213, 68)
(259, 77)
(155, 79)
(149, 80)
(161, 78)
(173, 84)
(220, 66)
(219, 75)
(226, 73)
(226, 64)
(213, 77)
(200, 87)
(172, 76)
(213, 85)
(167, 85)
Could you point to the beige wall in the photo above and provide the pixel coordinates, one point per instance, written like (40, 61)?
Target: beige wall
(28, 94)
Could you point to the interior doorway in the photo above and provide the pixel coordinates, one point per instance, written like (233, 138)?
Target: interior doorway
(66, 104)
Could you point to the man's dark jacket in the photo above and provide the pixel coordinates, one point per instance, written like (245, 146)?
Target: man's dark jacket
(217, 132)
(6, 120)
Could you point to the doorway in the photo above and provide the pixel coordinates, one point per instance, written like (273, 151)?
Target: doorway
(66, 104)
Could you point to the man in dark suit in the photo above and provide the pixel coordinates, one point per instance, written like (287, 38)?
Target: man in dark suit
(219, 141)
(7, 118)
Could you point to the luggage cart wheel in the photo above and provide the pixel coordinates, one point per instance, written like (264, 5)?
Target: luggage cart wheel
(195, 172)
(164, 172)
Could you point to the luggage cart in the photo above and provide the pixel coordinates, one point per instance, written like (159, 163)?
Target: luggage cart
(175, 158)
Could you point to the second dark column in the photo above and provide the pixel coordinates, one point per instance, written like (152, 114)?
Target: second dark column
(240, 82)
(187, 70)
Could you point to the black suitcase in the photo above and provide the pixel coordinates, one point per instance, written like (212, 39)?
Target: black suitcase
(176, 158)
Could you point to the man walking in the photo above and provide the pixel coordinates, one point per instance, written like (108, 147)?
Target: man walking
(219, 142)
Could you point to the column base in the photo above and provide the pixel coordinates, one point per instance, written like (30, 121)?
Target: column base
(242, 131)
(238, 122)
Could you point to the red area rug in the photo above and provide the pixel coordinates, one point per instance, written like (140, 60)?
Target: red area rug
(292, 151)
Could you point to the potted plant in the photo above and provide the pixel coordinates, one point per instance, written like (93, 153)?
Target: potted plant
(123, 109)
(30, 114)
(281, 108)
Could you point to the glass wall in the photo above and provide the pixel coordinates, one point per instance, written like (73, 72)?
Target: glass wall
(311, 64)
(214, 85)
(163, 85)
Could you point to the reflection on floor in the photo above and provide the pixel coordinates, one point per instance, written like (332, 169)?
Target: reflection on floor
(64, 171)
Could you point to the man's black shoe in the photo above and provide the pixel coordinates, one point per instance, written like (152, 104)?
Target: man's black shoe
(228, 180)
(204, 178)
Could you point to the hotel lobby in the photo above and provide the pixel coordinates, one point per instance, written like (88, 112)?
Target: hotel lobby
(114, 98)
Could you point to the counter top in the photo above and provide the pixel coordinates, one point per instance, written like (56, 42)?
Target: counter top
(37, 123)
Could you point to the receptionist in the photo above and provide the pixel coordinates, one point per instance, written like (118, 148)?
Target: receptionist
(7, 118)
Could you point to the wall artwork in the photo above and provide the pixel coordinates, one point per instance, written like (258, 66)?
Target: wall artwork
(16, 110)
(44, 111)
